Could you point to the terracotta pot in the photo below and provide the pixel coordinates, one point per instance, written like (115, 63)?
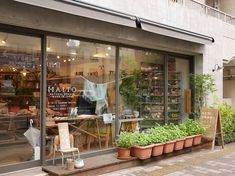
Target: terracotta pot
(197, 139)
(188, 141)
(123, 153)
(143, 152)
(179, 144)
(157, 149)
(133, 152)
(169, 147)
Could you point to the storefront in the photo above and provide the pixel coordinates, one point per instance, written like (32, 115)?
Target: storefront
(91, 83)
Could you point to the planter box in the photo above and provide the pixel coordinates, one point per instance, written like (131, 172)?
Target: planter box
(123, 153)
(179, 144)
(143, 152)
(197, 139)
(169, 147)
(188, 141)
(157, 149)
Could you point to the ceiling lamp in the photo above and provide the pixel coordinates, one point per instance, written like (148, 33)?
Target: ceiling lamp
(5, 39)
(73, 43)
(24, 72)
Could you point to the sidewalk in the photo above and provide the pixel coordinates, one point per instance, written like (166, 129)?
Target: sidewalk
(200, 163)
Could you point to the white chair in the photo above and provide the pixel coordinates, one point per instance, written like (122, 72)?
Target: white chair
(63, 143)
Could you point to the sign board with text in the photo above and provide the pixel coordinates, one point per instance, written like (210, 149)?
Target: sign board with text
(210, 119)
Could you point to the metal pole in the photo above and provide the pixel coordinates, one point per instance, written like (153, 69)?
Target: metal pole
(43, 99)
(117, 62)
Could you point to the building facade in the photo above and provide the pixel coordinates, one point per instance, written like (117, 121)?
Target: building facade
(61, 60)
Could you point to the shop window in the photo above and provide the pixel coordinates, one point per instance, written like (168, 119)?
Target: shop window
(148, 95)
(80, 91)
(19, 98)
(141, 89)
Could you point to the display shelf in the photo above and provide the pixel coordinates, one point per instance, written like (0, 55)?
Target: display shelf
(152, 108)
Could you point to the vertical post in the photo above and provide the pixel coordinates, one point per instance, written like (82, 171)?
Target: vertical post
(166, 89)
(117, 62)
(43, 98)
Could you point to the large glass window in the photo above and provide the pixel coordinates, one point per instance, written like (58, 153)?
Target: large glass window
(148, 95)
(141, 89)
(179, 93)
(19, 98)
(81, 92)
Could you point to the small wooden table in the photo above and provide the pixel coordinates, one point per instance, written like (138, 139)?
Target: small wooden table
(80, 121)
(132, 121)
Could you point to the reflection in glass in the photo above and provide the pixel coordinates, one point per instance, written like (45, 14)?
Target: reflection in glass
(81, 92)
(141, 89)
(19, 98)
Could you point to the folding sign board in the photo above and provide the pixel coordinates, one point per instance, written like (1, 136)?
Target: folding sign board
(210, 119)
(64, 135)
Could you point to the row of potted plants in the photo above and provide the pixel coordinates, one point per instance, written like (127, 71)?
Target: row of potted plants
(160, 139)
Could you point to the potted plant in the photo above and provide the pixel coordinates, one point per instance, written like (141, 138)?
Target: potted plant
(143, 147)
(171, 138)
(158, 138)
(179, 136)
(124, 143)
(194, 131)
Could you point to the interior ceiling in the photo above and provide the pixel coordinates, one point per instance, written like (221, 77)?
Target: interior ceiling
(55, 46)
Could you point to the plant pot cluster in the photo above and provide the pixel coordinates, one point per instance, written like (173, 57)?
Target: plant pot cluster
(160, 140)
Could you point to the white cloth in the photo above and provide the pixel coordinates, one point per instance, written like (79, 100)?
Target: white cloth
(96, 92)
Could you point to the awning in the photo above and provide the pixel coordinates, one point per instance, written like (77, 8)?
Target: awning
(174, 32)
(76, 7)
(85, 10)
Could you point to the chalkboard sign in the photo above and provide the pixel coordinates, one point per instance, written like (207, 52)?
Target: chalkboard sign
(210, 119)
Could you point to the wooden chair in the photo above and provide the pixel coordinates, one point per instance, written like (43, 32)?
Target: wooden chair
(64, 143)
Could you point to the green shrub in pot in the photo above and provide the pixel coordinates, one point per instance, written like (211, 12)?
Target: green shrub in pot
(124, 143)
(192, 127)
(143, 148)
(126, 140)
(157, 134)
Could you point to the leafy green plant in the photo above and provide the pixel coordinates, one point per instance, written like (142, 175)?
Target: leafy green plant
(203, 85)
(157, 134)
(129, 89)
(174, 132)
(143, 139)
(228, 122)
(126, 140)
(192, 127)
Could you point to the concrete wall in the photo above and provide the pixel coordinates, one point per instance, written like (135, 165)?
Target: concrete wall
(190, 16)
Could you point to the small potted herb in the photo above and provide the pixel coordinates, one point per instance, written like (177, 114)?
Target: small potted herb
(194, 131)
(143, 147)
(124, 143)
(158, 138)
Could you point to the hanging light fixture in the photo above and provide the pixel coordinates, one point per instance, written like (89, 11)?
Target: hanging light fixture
(48, 46)
(24, 72)
(5, 39)
(217, 68)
